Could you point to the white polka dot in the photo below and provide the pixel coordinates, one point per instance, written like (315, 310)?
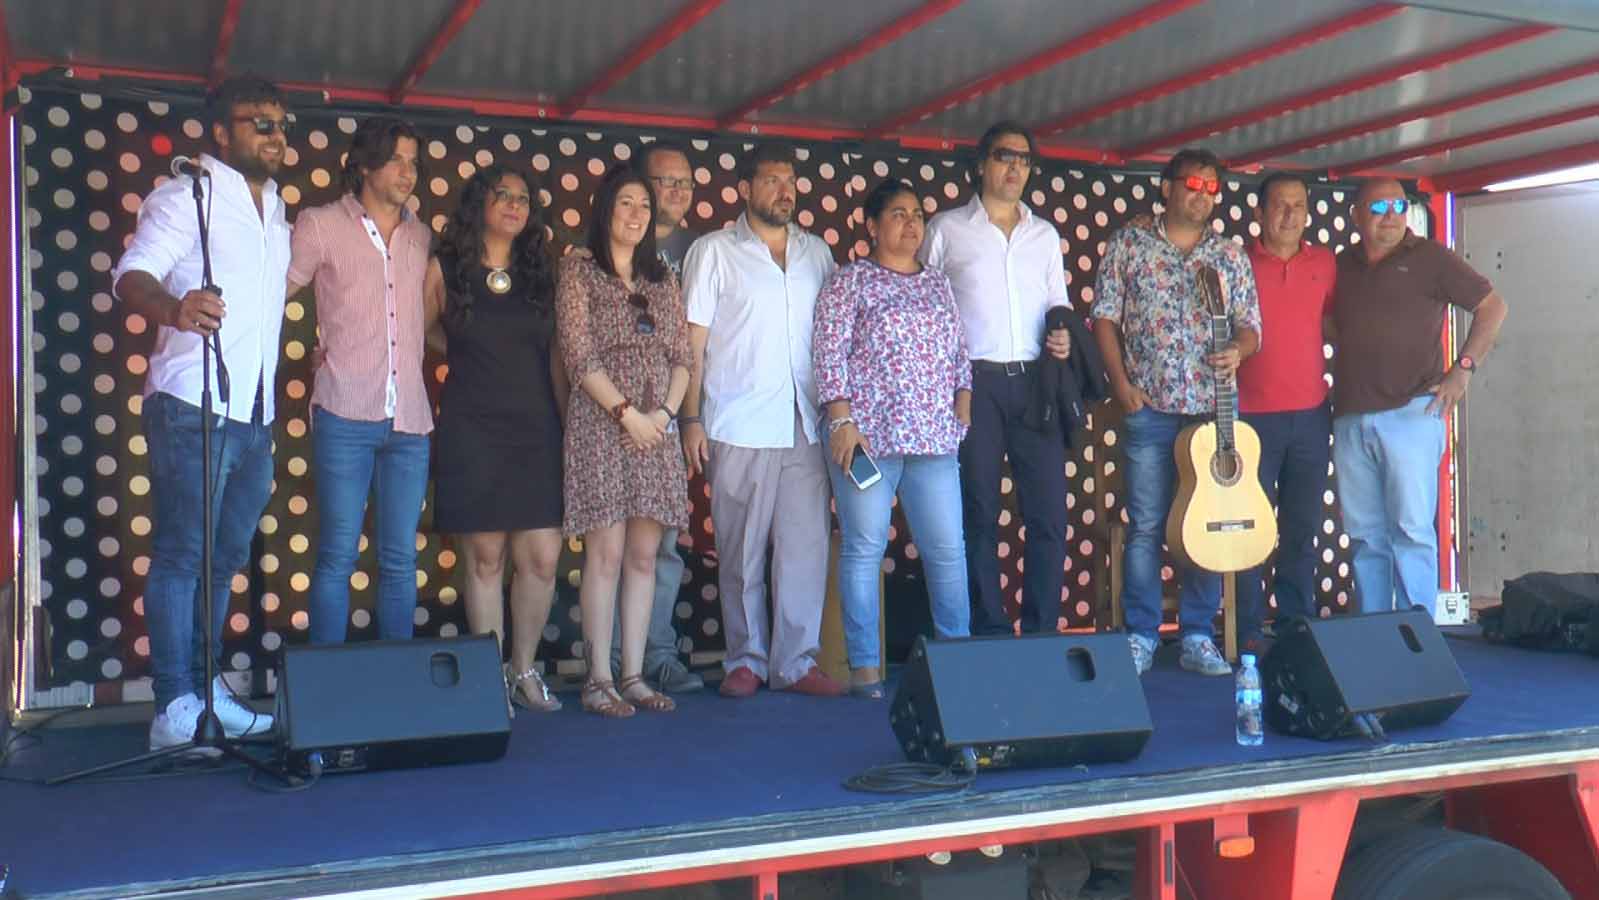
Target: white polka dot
(464, 133)
(58, 116)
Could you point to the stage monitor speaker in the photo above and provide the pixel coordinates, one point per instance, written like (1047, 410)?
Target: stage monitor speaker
(1000, 702)
(1322, 674)
(392, 704)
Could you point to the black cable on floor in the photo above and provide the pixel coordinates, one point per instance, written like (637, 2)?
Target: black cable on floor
(910, 778)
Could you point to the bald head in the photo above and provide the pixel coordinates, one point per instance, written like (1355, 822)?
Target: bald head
(1377, 188)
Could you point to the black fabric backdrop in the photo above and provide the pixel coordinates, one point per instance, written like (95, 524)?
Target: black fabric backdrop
(88, 161)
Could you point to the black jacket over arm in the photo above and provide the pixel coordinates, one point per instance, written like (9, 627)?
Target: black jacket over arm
(1065, 388)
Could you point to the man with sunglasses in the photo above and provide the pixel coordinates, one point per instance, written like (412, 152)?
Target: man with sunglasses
(751, 295)
(367, 254)
(666, 167)
(1282, 394)
(1005, 265)
(1392, 392)
(1154, 331)
(159, 278)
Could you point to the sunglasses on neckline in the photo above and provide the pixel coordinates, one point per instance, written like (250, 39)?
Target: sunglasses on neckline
(1211, 186)
(646, 322)
(1381, 207)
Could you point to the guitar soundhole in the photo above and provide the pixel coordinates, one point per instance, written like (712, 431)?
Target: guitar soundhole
(1226, 467)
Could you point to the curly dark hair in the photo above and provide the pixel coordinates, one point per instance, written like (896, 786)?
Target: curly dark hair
(462, 244)
(646, 261)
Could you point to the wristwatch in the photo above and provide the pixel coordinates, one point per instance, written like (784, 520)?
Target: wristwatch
(1467, 363)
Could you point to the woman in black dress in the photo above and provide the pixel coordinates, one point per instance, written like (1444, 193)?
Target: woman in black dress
(491, 287)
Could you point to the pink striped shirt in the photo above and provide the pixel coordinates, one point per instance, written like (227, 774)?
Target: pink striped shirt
(369, 312)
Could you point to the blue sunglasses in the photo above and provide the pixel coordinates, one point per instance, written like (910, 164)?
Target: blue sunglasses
(1381, 207)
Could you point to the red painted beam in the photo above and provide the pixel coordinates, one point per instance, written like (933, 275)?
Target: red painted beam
(1539, 123)
(225, 31)
(433, 49)
(1416, 114)
(1299, 40)
(8, 63)
(882, 37)
(636, 56)
(1076, 46)
(1474, 178)
(1496, 41)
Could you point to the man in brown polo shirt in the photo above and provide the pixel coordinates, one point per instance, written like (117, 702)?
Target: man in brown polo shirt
(1392, 392)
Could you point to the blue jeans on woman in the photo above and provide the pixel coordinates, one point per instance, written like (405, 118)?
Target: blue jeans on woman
(1387, 466)
(930, 489)
(1151, 485)
(241, 463)
(352, 458)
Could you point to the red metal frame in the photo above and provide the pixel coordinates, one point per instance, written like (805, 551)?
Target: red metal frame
(1076, 46)
(8, 64)
(1462, 180)
(433, 49)
(1299, 40)
(1467, 140)
(225, 31)
(1426, 111)
(1496, 41)
(8, 380)
(1438, 204)
(882, 37)
(653, 43)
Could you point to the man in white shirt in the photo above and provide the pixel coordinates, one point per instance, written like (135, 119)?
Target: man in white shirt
(159, 278)
(1005, 264)
(751, 291)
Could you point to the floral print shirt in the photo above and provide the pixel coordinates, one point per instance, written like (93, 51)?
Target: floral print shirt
(1147, 286)
(893, 345)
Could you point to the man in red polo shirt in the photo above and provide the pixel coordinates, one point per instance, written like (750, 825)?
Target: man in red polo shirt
(1282, 393)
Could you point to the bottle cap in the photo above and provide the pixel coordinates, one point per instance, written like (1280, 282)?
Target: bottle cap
(1248, 659)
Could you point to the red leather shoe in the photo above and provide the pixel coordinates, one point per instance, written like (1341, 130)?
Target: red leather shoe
(740, 682)
(818, 684)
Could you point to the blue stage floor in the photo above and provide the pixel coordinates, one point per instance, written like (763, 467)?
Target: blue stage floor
(579, 782)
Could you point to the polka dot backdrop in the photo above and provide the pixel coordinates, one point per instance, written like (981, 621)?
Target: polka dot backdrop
(89, 159)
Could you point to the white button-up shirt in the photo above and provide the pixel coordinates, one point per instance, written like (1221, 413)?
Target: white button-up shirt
(1003, 287)
(249, 262)
(758, 352)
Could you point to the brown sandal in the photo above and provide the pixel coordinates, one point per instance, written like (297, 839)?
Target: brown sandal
(601, 698)
(654, 701)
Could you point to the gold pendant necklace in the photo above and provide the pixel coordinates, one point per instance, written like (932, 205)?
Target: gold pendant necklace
(498, 280)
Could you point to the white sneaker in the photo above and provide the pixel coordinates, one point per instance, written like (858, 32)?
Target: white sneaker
(237, 719)
(1200, 655)
(175, 725)
(1143, 652)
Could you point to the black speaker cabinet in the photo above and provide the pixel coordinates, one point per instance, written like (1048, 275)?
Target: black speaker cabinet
(392, 704)
(1043, 700)
(1397, 667)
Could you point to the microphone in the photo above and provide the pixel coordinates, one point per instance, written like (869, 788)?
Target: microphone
(183, 165)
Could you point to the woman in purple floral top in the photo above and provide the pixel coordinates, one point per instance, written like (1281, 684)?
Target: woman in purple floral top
(892, 371)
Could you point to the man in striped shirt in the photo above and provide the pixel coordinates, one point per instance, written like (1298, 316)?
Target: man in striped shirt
(367, 254)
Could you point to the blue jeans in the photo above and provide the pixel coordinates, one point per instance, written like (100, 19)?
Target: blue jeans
(353, 457)
(241, 462)
(1294, 453)
(930, 489)
(1151, 485)
(1387, 467)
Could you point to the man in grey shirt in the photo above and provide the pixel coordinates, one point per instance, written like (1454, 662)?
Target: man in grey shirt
(672, 181)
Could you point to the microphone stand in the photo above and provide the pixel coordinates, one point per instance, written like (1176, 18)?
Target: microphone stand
(208, 732)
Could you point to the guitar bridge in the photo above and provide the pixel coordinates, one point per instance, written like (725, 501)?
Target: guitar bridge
(1230, 525)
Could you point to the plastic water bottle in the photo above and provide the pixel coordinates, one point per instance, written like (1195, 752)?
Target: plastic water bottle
(1251, 730)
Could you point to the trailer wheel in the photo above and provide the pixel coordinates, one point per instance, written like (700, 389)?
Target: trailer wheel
(1427, 863)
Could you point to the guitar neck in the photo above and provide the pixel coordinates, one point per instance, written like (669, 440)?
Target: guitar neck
(1226, 389)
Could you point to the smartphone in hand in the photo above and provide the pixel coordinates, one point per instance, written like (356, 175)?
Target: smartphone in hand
(862, 470)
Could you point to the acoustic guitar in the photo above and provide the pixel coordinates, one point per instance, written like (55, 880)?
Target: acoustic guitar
(1220, 520)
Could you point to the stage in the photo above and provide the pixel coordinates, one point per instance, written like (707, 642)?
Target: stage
(718, 780)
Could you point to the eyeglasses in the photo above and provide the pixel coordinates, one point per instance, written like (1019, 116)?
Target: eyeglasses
(265, 125)
(672, 184)
(1006, 156)
(1210, 186)
(515, 201)
(646, 322)
(1381, 207)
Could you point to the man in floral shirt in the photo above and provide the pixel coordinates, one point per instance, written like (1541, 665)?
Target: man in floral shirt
(1153, 329)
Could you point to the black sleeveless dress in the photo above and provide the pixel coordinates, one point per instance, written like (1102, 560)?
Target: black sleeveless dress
(497, 457)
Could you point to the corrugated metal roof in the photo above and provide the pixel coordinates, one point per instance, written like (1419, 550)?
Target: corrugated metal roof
(1273, 82)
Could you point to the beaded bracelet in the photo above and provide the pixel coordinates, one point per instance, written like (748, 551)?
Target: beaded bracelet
(836, 424)
(620, 410)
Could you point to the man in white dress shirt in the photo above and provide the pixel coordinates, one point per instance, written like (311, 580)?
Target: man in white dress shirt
(750, 292)
(1005, 264)
(159, 278)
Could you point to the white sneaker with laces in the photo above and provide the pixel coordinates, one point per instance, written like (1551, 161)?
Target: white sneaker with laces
(1200, 655)
(237, 719)
(175, 725)
(1143, 652)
